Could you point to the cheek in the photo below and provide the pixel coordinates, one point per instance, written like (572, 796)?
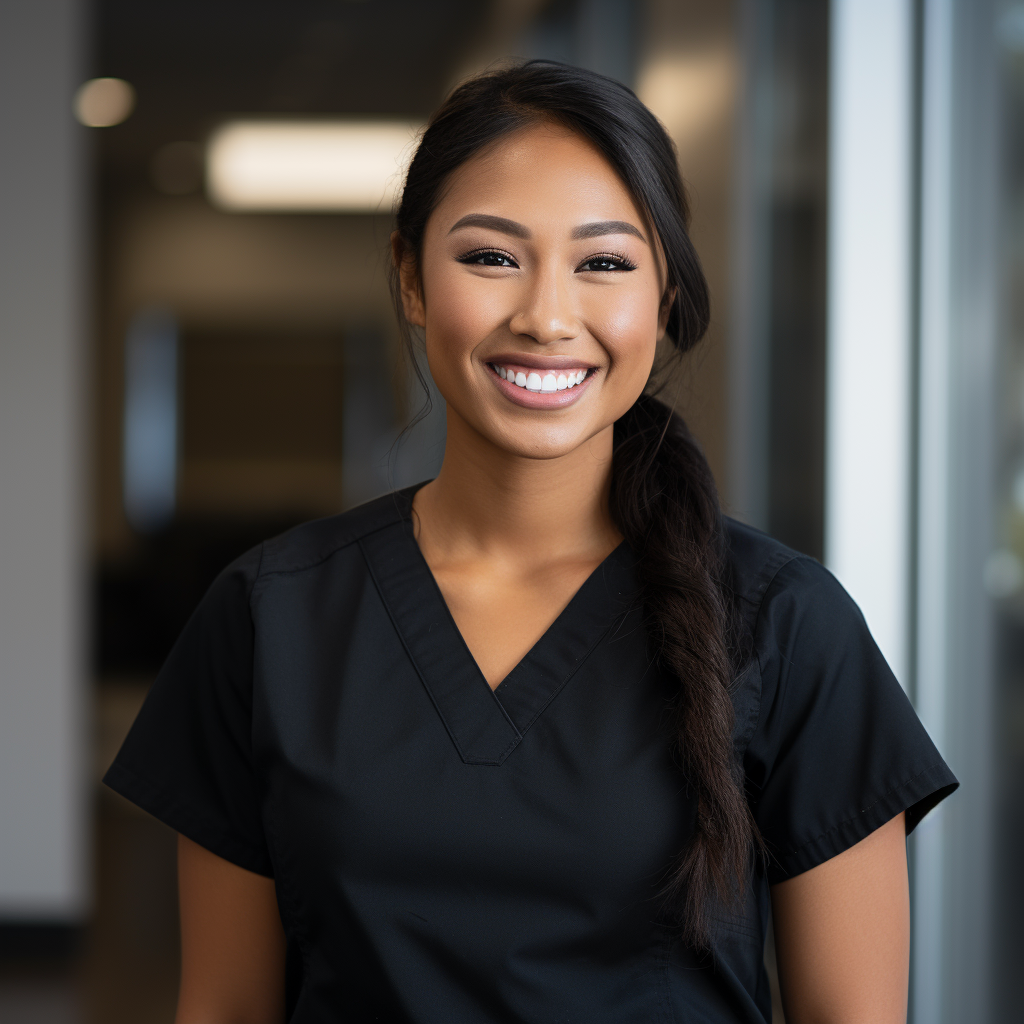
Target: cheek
(626, 323)
(461, 311)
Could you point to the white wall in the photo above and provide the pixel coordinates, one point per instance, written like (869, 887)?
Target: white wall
(868, 399)
(43, 866)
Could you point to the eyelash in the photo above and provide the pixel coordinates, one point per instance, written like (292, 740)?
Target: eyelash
(624, 263)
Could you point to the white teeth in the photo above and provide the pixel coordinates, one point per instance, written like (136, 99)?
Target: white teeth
(534, 381)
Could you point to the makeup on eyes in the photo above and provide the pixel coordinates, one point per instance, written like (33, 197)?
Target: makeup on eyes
(473, 258)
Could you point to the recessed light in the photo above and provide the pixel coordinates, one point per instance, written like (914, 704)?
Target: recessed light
(308, 165)
(104, 102)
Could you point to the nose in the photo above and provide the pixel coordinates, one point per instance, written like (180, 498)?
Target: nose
(546, 314)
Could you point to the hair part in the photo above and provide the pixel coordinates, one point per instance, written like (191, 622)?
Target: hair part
(663, 495)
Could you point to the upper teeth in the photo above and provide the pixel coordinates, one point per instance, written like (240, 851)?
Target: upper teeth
(535, 382)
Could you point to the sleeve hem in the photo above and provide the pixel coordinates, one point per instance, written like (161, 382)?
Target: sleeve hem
(916, 796)
(183, 818)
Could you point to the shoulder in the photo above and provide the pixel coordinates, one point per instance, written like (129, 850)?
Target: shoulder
(797, 629)
(769, 579)
(781, 593)
(753, 560)
(310, 544)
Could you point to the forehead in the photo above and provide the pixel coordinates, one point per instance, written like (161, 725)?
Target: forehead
(542, 173)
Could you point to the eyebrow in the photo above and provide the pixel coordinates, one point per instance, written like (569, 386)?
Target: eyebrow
(517, 230)
(607, 227)
(486, 220)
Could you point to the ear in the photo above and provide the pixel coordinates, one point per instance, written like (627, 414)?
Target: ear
(667, 301)
(409, 282)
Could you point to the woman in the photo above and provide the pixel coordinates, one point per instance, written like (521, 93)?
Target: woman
(537, 740)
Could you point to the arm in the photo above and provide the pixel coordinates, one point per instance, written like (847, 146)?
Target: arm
(232, 942)
(842, 935)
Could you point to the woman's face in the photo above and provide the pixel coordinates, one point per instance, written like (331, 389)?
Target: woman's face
(540, 292)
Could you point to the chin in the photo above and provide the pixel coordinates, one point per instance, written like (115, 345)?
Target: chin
(541, 443)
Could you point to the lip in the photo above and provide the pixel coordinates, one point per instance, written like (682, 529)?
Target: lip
(540, 399)
(539, 363)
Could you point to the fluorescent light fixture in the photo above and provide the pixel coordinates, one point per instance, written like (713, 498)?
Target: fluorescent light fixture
(349, 166)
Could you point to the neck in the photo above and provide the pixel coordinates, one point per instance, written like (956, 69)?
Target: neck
(487, 500)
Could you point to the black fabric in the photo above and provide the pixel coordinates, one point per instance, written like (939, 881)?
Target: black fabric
(444, 853)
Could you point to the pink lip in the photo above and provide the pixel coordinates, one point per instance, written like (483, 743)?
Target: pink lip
(542, 364)
(541, 399)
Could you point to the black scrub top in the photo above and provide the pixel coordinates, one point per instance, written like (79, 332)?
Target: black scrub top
(443, 853)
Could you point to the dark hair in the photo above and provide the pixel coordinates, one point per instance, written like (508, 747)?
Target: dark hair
(663, 495)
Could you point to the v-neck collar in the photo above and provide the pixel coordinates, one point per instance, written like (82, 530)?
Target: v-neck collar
(485, 725)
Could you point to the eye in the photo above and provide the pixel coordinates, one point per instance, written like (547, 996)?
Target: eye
(489, 258)
(606, 263)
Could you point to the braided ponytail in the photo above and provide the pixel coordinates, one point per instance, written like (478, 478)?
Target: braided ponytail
(665, 504)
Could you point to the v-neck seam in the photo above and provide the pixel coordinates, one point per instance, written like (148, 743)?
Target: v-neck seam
(533, 684)
(526, 726)
(463, 754)
(486, 724)
(470, 656)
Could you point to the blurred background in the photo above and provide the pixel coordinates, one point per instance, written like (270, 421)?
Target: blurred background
(197, 350)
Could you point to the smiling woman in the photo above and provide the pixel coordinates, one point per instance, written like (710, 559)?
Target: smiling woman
(541, 738)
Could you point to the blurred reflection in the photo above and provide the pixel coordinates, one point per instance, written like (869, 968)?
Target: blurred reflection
(150, 420)
(1004, 571)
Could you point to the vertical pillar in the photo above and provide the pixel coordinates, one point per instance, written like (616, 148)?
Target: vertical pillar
(43, 876)
(868, 392)
(960, 390)
(933, 540)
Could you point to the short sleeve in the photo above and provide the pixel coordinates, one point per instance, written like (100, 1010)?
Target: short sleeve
(838, 750)
(187, 759)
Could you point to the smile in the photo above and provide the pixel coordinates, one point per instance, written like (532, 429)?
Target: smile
(560, 380)
(534, 384)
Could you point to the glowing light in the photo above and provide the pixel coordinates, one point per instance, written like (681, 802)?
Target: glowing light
(310, 166)
(690, 93)
(104, 102)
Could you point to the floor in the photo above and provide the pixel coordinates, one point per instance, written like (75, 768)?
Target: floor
(126, 970)
(125, 967)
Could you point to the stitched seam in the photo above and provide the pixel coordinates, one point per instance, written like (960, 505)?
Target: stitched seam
(835, 828)
(259, 567)
(757, 653)
(321, 558)
(558, 689)
(351, 538)
(426, 686)
(742, 742)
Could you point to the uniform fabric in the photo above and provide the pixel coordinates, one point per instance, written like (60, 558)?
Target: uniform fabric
(442, 853)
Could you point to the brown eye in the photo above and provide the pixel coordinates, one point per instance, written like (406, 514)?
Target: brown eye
(489, 258)
(606, 263)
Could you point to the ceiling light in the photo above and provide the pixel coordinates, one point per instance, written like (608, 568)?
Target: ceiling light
(310, 166)
(104, 102)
